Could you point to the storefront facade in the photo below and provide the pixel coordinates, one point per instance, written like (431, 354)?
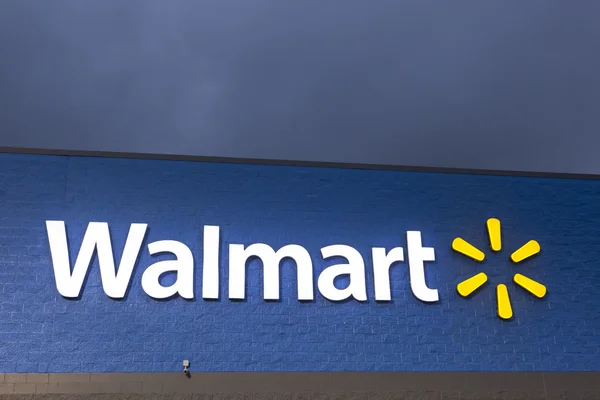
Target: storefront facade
(295, 280)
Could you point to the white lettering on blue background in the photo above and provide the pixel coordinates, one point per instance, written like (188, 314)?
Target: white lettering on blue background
(115, 281)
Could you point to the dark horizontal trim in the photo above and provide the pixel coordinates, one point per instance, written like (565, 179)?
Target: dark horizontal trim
(539, 385)
(296, 163)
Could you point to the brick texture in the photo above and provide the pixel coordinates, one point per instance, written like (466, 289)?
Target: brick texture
(316, 386)
(41, 332)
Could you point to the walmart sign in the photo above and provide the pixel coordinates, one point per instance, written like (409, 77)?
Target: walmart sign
(69, 281)
(115, 282)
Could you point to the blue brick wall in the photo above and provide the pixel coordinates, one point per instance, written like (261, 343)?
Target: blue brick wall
(42, 332)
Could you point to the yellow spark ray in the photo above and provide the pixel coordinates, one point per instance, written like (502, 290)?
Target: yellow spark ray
(493, 226)
(470, 285)
(463, 247)
(504, 307)
(527, 250)
(533, 287)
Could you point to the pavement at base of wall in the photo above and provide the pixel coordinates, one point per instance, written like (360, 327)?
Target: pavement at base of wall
(303, 386)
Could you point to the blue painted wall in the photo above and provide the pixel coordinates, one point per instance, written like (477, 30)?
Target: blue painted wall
(313, 207)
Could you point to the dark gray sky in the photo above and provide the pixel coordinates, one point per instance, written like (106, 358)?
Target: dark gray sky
(478, 84)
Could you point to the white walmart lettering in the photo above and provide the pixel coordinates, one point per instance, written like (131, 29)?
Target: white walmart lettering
(116, 281)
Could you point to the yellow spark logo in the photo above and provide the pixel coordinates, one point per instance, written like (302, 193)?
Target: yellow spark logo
(468, 286)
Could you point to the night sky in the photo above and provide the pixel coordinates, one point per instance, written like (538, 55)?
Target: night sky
(479, 84)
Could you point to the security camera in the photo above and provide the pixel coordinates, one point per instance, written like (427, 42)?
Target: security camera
(186, 366)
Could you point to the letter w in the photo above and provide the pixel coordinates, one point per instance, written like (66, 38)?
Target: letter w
(97, 237)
